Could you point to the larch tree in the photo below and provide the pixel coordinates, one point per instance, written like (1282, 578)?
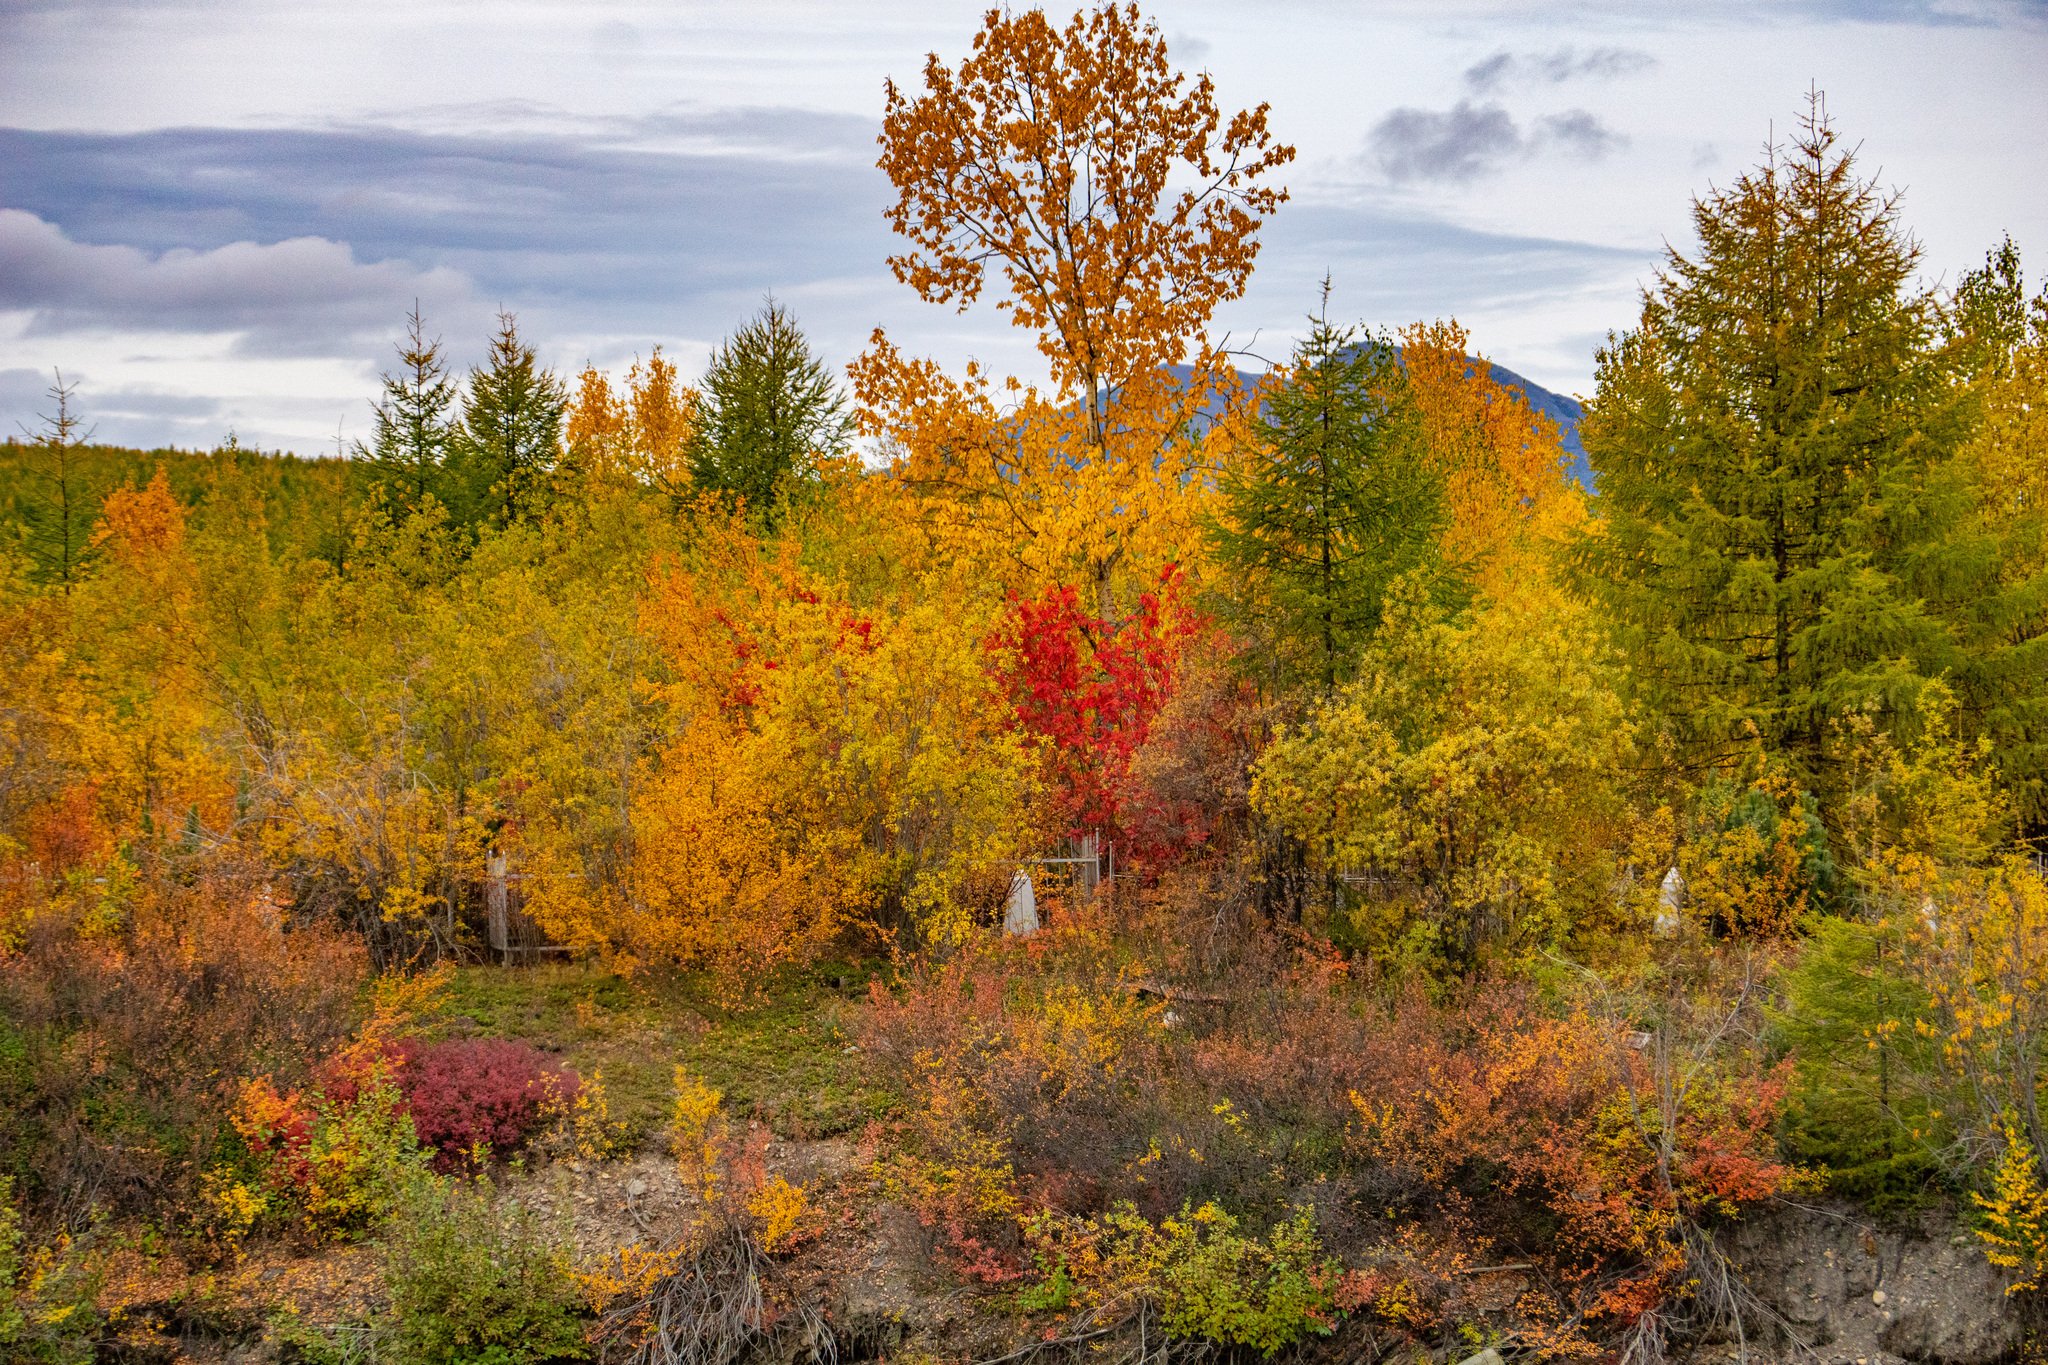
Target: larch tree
(408, 456)
(60, 505)
(768, 411)
(2000, 342)
(1333, 502)
(511, 433)
(1120, 209)
(1773, 443)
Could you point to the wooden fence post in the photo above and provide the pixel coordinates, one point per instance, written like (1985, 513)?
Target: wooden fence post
(494, 901)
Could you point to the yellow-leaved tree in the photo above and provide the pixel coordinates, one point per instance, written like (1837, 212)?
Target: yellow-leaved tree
(637, 438)
(837, 751)
(1507, 489)
(1474, 772)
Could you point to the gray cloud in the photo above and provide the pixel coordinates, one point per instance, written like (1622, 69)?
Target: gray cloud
(1186, 47)
(26, 392)
(301, 296)
(136, 401)
(1458, 144)
(1470, 140)
(1577, 133)
(755, 199)
(1507, 70)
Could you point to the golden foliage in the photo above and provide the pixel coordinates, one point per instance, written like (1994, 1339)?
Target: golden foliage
(1506, 476)
(2015, 1223)
(697, 1132)
(1477, 763)
(638, 437)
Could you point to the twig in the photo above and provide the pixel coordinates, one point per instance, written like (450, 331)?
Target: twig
(1036, 1346)
(1167, 992)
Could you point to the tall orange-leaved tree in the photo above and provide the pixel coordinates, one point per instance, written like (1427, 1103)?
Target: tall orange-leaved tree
(1121, 209)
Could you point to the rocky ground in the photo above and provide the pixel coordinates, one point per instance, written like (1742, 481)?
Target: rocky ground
(1859, 1293)
(1845, 1290)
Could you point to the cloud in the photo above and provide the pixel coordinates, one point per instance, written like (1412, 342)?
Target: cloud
(1507, 70)
(636, 214)
(302, 296)
(1577, 133)
(1187, 48)
(27, 392)
(142, 401)
(1458, 144)
(1470, 140)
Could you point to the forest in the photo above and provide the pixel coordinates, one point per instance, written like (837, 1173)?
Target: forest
(1461, 901)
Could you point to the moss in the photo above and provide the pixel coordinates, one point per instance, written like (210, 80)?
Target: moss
(786, 1060)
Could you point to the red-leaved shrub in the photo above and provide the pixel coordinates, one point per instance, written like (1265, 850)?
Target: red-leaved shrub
(480, 1091)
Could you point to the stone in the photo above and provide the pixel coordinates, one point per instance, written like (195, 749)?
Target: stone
(1877, 1297)
(1489, 1356)
(637, 1187)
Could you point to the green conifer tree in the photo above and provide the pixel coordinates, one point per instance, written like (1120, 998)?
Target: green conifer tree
(59, 503)
(1862, 1110)
(1337, 504)
(770, 410)
(511, 434)
(408, 457)
(1994, 594)
(1773, 447)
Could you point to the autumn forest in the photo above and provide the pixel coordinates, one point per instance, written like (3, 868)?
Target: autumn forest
(1172, 860)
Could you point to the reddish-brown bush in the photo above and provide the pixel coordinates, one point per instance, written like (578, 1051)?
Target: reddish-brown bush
(481, 1092)
(1593, 1135)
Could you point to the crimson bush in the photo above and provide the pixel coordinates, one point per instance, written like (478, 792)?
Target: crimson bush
(479, 1091)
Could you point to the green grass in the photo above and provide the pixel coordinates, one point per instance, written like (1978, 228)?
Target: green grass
(785, 1061)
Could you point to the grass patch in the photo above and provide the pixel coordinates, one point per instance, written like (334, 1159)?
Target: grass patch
(786, 1061)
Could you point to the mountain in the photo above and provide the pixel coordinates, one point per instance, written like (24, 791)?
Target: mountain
(1561, 409)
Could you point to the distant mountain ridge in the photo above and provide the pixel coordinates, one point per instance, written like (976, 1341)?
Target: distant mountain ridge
(1560, 408)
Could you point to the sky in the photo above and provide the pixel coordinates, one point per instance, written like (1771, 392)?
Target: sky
(214, 216)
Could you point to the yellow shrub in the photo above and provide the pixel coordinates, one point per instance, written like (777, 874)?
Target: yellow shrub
(962, 1172)
(2015, 1227)
(784, 1211)
(629, 1273)
(232, 1208)
(698, 1133)
(583, 1127)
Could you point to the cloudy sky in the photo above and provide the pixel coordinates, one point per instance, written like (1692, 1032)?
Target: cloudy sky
(215, 214)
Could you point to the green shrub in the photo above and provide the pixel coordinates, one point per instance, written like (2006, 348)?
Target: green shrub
(1206, 1279)
(476, 1281)
(46, 1294)
(1216, 1283)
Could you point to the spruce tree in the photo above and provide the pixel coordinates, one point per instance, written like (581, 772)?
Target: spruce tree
(1334, 505)
(409, 454)
(510, 436)
(1772, 443)
(769, 410)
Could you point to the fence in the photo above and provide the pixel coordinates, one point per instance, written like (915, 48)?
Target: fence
(514, 933)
